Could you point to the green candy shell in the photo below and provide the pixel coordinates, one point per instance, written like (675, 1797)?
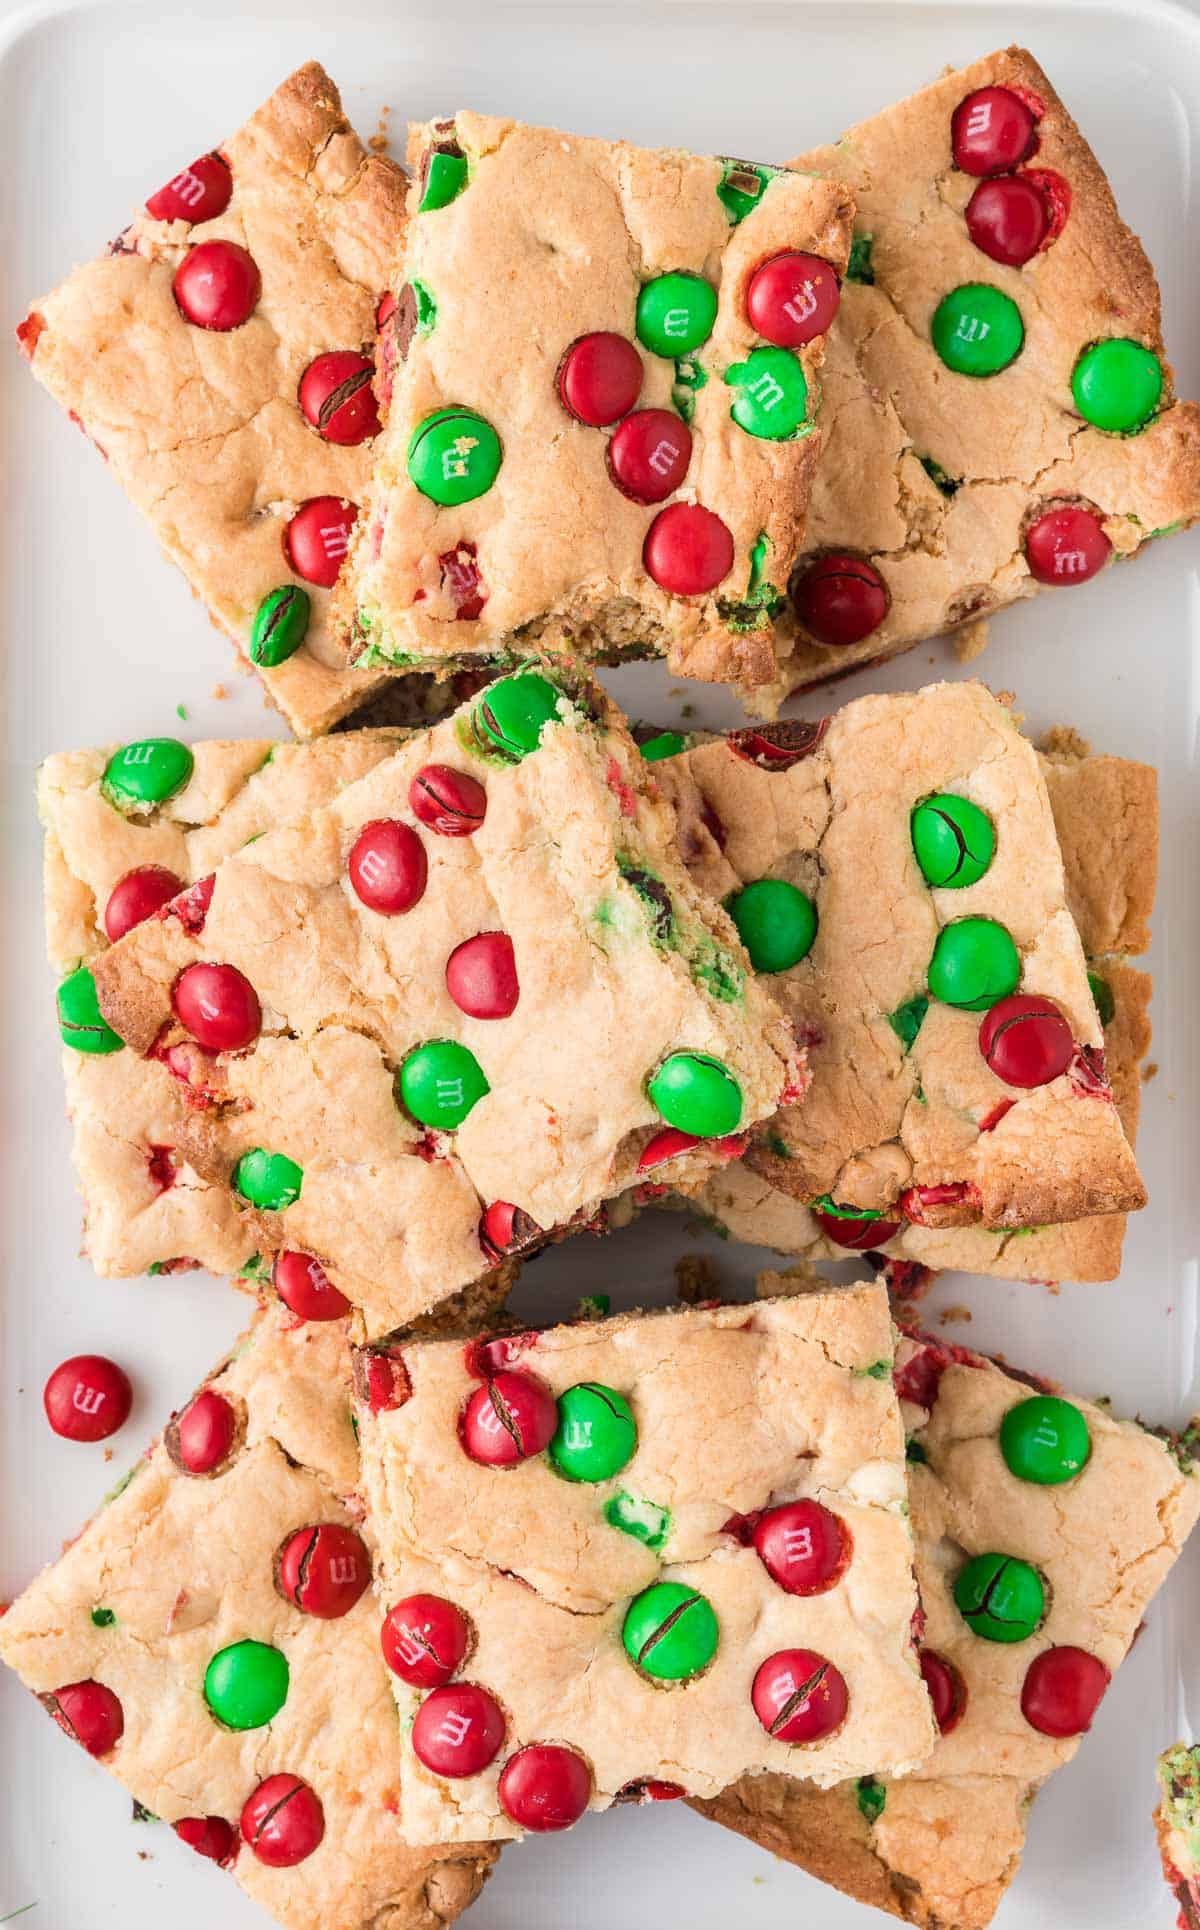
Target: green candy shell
(280, 625)
(697, 1094)
(269, 1181)
(246, 1684)
(682, 1649)
(1117, 385)
(513, 712)
(81, 1023)
(633, 1515)
(742, 186)
(1045, 1440)
(445, 181)
(977, 330)
(770, 394)
(146, 772)
(1001, 1598)
(776, 922)
(1102, 994)
(441, 1082)
(953, 841)
(974, 964)
(675, 313)
(454, 455)
(596, 1434)
(668, 743)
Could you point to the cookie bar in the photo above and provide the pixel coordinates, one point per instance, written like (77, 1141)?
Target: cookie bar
(1106, 816)
(999, 413)
(1177, 1821)
(212, 1639)
(602, 430)
(452, 1011)
(659, 1549)
(220, 356)
(895, 873)
(1043, 1529)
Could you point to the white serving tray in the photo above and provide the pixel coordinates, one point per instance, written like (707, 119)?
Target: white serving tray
(102, 641)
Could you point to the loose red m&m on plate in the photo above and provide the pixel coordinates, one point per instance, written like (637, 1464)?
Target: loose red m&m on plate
(217, 285)
(87, 1398)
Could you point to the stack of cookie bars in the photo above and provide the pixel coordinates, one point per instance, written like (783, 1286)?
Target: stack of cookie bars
(364, 1020)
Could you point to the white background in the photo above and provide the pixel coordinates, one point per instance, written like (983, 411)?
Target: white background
(101, 641)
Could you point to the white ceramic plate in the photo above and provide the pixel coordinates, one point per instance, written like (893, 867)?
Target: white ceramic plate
(102, 640)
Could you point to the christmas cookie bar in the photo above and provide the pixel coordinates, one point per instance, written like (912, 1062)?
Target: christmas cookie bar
(638, 1557)
(211, 1638)
(1044, 1527)
(602, 367)
(1106, 816)
(1177, 1821)
(220, 356)
(895, 874)
(455, 1009)
(999, 413)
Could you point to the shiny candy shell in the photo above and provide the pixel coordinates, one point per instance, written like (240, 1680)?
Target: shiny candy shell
(792, 298)
(481, 976)
(991, 129)
(1066, 545)
(387, 867)
(1000, 1597)
(1062, 1690)
(217, 286)
(270, 1181)
(512, 713)
(87, 1398)
(447, 801)
(770, 397)
(974, 964)
(545, 1787)
(81, 1023)
(596, 1434)
(199, 1439)
(336, 398)
(1045, 1440)
(953, 841)
(246, 1684)
(511, 1417)
(675, 313)
(458, 1730)
(1008, 219)
(136, 897)
(696, 1093)
(197, 193)
(839, 598)
(318, 538)
(688, 550)
(1026, 1040)
(89, 1713)
(424, 1640)
(799, 1696)
(775, 921)
(977, 329)
(146, 773)
(441, 1082)
(1117, 385)
(280, 625)
(304, 1286)
(219, 1007)
(947, 1690)
(283, 1821)
(600, 379)
(670, 1632)
(454, 455)
(803, 1546)
(323, 1570)
(648, 455)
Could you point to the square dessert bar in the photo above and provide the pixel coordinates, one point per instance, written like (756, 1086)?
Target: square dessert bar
(454, 1009)
(1106, 816)
(638, 1557)
(220, 356)
(998, 410)
(895, 874)
(1043, 1527)
(602, 367)
(1177, 1822)
(212, 1639)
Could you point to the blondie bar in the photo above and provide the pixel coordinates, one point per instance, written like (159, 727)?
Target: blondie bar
(1043, 1527)
(998, 410)
(601, 365)
(453, 1010)
(641, 1556)
(220, 356)
(212, 1639)
(1177, 1821)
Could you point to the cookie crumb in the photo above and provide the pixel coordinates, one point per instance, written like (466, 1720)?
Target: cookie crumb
(1064, 744)
(378, 141)
(1150, 1072)
(219, 692)
(949, 1315)
(970, 641)
(696, 1279)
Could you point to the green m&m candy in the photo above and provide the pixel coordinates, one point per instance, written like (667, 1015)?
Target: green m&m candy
(675, 313)
(953, 840)
(974, 964)
(1000, 1597)
(81, 1023)
(445, 178)
(453, 456)
(596, 1433)
(513, 712)
(696, 1093)
(668, 743)
(1117, 385)
(977, 329)
(147, 772)
(1044, 1440)
(280, 625)
(269, 1181)
(670, 1632)
(742, 186)
(441, 1082)
(246, 1684)
(770, 393)
(776, 923)
(1102, 994)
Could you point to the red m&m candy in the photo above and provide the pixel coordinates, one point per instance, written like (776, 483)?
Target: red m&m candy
(799, 1696)
(424, 1640)
(481, 976)
(87, 1398)
(859, 1232)
(688, 550)
(388, 867)
(303, 1285)
(318, 538)
(1062, 1691)
(839, 599)
(600, 379)
(137, 896)
(217, 285)
(991, 130)
(792, 298)
(1066, 545)
(545, 1787)
(649, 454)
(199, 1439)
(458, 1730)
(89, 1713)
(1008, 219)
(283, 1821)
(209, 1836)
(803, 1546)
(507, 1419)
(1026, 1040)
(336, 397)
(381, 1379)
(947, 1690)
(323, 1570)
(197, 193)
(505, 1229)
(450, 802)
(219, 1007)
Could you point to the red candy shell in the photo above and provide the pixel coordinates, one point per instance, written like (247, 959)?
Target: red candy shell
(481, 976)
(89, 1713)
(219, 1007)
(509, 1418)
(799, 1696)
(458, 1730)
(209, 1836)
(1008, 219)
(1026, 1040)
(839, 599)
(859, 1235)
(1062, 1691)
(792, 298)
(688, 550)
(1066, 545)
(87, 1398)
(803, 1546)
(303, 1285)
(991, 129)
(197, 193)
(600, 379)
(388, 867)
(545, 1787)
(203, 1434)
(217, 285)
(649, 454)
(283, 1821)
(424, 1639)
(137, 896)
(448, 801)
(323, 1570)
(947, 1690)
(337, 399)
(318, 538)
